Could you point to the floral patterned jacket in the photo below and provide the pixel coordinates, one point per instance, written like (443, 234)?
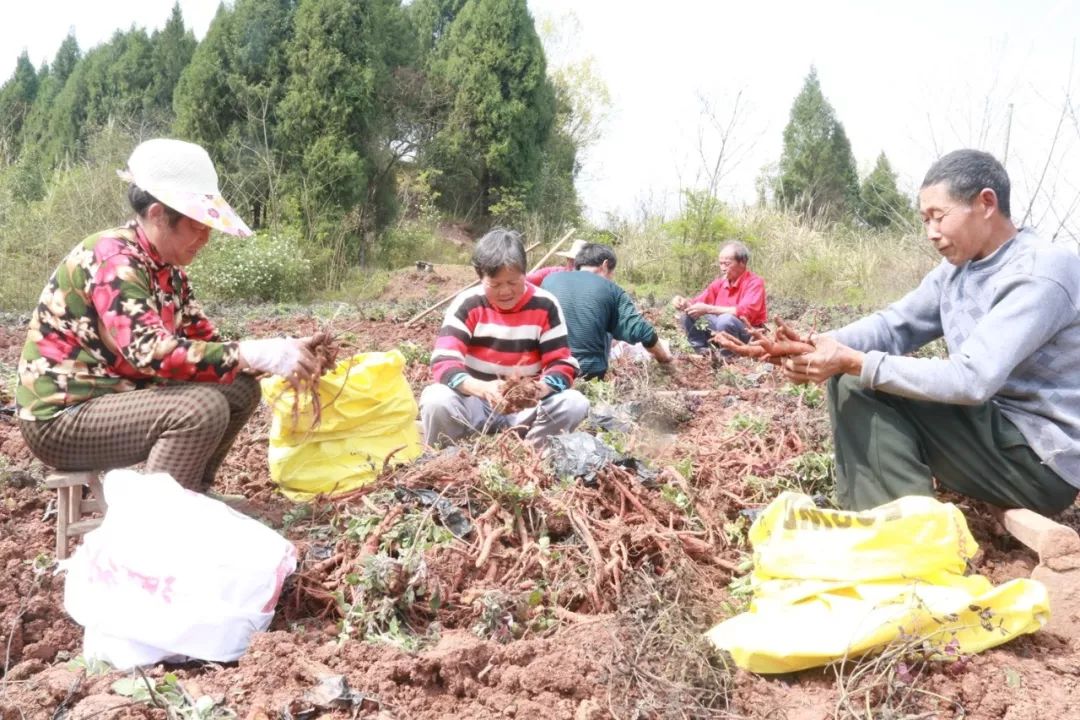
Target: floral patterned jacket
(114, 317)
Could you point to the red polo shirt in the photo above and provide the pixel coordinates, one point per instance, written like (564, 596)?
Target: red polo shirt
(747, 295)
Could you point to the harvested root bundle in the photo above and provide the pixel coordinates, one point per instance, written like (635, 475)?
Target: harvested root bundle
(784, 342)
(520, 393)
(325, 348)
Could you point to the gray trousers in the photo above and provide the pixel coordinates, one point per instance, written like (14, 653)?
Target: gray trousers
(448, 416)
(699, 338)
(889, 446)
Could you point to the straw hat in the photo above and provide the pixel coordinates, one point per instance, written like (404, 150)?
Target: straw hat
(572, 253)
(181, 175)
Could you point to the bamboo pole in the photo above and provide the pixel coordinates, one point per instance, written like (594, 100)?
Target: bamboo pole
(554, 247)
(429, 309)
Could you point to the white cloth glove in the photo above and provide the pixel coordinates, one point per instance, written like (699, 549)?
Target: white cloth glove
(278, 356)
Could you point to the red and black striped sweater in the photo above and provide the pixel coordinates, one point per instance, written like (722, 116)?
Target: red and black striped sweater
(480, 340)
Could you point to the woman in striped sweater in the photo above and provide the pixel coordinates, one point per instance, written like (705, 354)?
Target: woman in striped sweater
(502, 328)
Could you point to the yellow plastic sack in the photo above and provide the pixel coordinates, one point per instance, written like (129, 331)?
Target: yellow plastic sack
(368, 411)
(830, 584)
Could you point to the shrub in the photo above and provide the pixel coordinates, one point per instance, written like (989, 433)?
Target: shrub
(410, 241)
(267, 267)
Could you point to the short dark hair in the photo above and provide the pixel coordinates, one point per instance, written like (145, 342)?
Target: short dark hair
(965, 174)
(140, 202)
(499, 248)
(595, 255)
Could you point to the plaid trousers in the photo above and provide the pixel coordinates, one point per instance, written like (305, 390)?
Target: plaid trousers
(184, 429)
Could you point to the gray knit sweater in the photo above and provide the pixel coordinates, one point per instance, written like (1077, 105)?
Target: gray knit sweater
(1011, 322)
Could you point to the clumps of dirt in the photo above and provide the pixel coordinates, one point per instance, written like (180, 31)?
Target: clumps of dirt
(519, 393)
(461, 676)
(30, 595)
(668, 411)
(413, 284)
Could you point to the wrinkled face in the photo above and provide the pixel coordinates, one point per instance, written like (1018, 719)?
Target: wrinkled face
(505, 288)
(955, 228)
(177, 244)
(731, 268)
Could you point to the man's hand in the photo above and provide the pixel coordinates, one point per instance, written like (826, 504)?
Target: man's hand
(696, 310)
(489, 391)
(661, 352)
(679, 303)
(828, 359)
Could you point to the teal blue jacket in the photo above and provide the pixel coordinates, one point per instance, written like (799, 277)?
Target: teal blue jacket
(597, 310)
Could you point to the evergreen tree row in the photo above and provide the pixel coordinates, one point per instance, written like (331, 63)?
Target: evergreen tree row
(817, 175)
(311, 108)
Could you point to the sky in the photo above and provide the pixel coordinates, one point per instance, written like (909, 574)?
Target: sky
(914, 79)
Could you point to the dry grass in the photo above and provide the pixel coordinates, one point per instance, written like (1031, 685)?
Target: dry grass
(886, 685)
(814, 262)
(661, 664)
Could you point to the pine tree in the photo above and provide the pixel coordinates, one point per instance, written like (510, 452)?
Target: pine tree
(66, 58)
(817, 175)
(228, 96)
(880, 202)
(109, 84)
(52, 80)
(431, 20)
(29, 175)
(489, 149)
(340, 62)
(16, 98)
(173, 48)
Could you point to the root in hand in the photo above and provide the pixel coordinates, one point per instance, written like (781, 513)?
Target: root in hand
(325, 348)
(784, 342)
(520, 393)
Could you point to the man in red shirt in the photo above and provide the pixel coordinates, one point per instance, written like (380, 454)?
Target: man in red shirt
(536, 277)
(732, 303)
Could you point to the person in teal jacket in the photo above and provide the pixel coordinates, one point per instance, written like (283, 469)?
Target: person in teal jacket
(597, 310)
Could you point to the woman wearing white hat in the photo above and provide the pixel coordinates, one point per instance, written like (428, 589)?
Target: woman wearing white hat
(120, 364)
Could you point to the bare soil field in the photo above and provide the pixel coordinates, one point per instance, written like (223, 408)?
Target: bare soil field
(563, 599)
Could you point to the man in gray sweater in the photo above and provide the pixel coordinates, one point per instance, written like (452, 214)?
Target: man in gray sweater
(999, 418)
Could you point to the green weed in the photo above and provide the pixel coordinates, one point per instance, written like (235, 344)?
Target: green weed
(730, 377)
(384, 592)
(675, 495)
(170, 695)
(743, 421)
(598, 391)
(810, 395)
(502, 488)
(415, 353)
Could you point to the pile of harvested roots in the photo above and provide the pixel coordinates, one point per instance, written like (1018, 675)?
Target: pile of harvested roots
(546, 546)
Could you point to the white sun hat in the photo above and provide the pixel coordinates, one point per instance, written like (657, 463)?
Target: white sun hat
(572, 253)
(181, 175)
